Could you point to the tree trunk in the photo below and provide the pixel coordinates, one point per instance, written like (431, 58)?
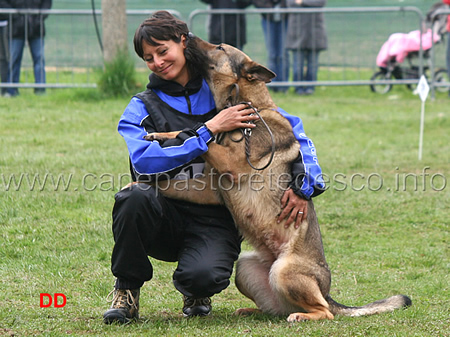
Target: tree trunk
(114, 26)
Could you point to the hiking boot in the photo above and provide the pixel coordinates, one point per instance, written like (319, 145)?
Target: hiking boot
(196, 306)
(124, 307)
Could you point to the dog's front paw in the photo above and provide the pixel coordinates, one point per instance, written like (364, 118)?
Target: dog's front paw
(161, 136)
(154, 136)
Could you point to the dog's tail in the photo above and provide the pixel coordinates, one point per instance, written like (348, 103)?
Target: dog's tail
(377, 307)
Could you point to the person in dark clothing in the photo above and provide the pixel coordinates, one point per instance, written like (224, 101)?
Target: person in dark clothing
(4, 53)
(227, 28)
(203, 239)
(306, 38)
(275, 29)
(26, 28)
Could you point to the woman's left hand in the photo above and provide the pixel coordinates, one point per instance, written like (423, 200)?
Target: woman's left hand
(294, 208)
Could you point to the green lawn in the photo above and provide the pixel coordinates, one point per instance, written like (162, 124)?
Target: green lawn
(385, 223)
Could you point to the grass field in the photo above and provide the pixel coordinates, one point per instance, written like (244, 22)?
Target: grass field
(384, 219)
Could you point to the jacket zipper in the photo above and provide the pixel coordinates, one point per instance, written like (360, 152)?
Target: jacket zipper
(188, 100)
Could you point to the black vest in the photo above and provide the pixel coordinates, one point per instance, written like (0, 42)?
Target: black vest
(163, 118)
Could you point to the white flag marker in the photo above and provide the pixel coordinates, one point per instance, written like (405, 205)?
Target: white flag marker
(423, 89)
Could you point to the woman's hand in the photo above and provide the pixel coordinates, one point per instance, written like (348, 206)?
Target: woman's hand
(294, 208)
(232, 118)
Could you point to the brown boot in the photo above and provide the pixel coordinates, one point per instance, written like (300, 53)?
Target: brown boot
(124, 307)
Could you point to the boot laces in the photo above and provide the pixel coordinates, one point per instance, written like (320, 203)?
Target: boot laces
(121, 298)
(193, 302)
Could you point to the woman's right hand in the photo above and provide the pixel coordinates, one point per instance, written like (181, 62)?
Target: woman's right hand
(232, 118)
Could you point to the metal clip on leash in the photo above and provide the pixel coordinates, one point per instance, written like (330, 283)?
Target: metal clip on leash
(248, 132)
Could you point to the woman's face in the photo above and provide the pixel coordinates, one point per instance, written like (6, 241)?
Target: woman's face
(167, 60)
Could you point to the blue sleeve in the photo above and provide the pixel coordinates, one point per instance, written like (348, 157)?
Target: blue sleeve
(150, 157)
(306, 172)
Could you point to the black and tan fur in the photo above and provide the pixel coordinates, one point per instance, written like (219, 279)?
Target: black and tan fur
(287, 273)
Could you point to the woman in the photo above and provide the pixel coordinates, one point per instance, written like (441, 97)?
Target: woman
(306, 37)
(202, 239)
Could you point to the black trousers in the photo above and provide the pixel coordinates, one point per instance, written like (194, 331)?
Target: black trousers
(203, 239)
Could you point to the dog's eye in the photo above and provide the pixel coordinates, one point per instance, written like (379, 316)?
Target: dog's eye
(219, 47)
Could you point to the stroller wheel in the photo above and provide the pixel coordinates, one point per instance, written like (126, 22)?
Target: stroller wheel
(441, 76)
(381, 88)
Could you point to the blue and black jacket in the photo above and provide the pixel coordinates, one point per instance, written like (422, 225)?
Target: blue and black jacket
(167, 106)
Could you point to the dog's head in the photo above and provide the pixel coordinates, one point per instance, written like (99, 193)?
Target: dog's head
(228, 66)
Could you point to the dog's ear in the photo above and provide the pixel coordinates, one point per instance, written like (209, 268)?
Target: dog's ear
(258, 72)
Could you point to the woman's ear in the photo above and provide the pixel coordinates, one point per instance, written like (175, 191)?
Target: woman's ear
(183, 40)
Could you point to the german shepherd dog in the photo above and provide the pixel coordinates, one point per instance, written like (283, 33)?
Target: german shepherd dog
(287, 273)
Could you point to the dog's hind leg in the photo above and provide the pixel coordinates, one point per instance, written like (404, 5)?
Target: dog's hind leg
(252, 280)
(298, 283)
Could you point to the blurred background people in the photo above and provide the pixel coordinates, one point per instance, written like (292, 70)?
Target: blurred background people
(227, 28)
(26, 28)
(447, 2)
(275, 27)
(4, 54)
(306, 37)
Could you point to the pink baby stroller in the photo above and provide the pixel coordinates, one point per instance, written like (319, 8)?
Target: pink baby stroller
(400, 47)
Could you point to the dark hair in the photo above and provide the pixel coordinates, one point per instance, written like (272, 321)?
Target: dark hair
(164, 26)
